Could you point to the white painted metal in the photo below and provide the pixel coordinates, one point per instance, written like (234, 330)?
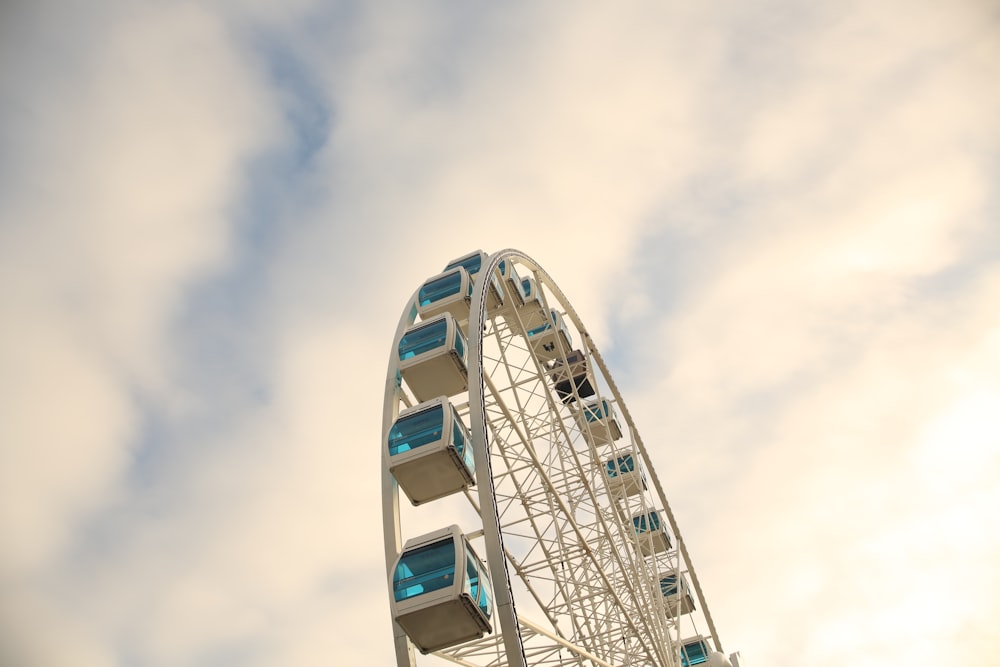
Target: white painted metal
(457, 303)
(559, 544)
(446, 614)
(435, 469)
(441, 370)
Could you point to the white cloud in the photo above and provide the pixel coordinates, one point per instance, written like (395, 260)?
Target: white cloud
(815, 379)
(830, 366)
(129, 151)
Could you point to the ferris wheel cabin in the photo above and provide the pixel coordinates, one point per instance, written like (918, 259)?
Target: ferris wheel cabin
(624, 476)
(450, 292)
(599, 417)
(532, 311)
(677, 597)
(473, 263)
(515, 286)
(441, 593)
(550, 338)
(695, 651)
(572, 379)
(432, 358)
(653, 537)
(430, 454)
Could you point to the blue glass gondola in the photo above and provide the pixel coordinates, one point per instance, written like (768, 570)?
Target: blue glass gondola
(550, 339)
(597, 418)
(473, 263)
(676, 594)
(430, 453)
(515, 294)
(653, 537)
(694, 651)
(441, 592)
(532, 312)
(572, 378)
(432, 358)
(624, 475)
(450, 292)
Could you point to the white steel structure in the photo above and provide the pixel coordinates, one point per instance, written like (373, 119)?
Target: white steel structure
(587, 563)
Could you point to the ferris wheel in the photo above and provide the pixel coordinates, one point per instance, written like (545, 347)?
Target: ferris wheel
(531, 529)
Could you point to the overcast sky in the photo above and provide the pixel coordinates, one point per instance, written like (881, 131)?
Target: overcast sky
(780, 219)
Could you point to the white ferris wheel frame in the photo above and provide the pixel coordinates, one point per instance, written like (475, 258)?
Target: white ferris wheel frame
(513, 633)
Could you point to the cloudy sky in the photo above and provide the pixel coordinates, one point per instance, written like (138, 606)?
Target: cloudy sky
(780, 219)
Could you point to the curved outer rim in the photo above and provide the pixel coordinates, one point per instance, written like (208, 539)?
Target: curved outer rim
(496, 562)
